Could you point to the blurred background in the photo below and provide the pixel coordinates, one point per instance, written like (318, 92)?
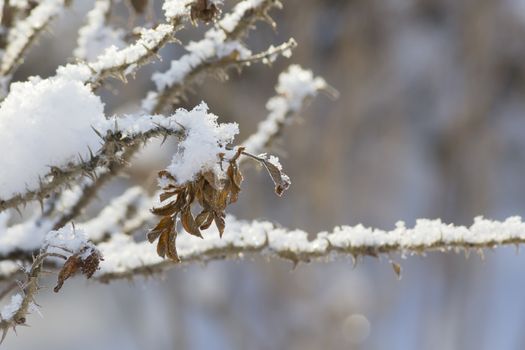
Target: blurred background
(430, 124)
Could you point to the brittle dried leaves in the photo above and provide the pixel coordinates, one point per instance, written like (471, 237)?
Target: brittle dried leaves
(86, 261)
(280, 179)
(212, 193)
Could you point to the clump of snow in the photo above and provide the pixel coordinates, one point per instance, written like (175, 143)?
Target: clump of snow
(96, 36)
(295, 84)
(44, 123)
(176, 8)
(205, 139)
(10, 309)
(230, 20)
(67, 239)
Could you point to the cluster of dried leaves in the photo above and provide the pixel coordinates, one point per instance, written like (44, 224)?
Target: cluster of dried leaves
(212, 193)
(87, 261)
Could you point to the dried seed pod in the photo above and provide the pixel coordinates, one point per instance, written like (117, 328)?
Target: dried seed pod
(87, 265)
(203, 10)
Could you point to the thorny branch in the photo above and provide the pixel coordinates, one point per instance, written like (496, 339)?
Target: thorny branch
(109, 154)
(246, 22)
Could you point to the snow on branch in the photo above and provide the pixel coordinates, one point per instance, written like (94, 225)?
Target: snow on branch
(295, 87)
(25, 32)
(125, 258)
(119, 63)
(116, 134)
(221, 48)
(68, 245)
(96, 35)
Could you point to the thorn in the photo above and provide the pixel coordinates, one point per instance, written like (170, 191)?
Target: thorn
(97, 132)
(91, 156)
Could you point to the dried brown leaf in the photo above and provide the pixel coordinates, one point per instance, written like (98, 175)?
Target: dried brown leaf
(219, 222)
(280, 180)
(188, 223)
(75, 263)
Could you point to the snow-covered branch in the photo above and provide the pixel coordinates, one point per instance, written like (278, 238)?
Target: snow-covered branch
(25, 31)
(96, 35)
(296, 86)
(116, 134)
(221, 48)
(125, 258)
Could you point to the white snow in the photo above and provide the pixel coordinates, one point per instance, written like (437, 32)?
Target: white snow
(124, 61)
(231, 19)
(215, 44)
(295, 86)
(10, 309)
(114, 216)
(149, 39)
(122, 253)
(44, 123)
(204, 140)
(67, 238)
(26, 28)
(174, 9)
(96, 35)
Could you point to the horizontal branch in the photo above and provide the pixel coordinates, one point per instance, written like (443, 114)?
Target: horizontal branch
(125, 258)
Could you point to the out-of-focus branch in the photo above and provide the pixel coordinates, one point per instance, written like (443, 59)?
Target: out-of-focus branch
(220, 49)
(25, 32)
(14, 314)
(295, 88)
